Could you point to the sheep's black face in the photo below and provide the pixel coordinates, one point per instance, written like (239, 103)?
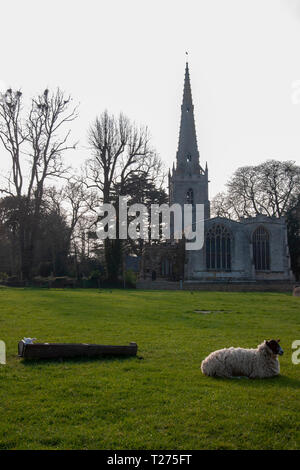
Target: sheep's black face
(274, 346)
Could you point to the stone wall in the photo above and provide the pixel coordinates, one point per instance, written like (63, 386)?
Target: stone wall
(241, 286)
(286, 287)
(154, 255)
(242, 263)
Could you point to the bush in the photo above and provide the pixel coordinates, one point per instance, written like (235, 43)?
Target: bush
(3, 277)
(95, 274)
(109, 284)
(45, 269)
(130, 278)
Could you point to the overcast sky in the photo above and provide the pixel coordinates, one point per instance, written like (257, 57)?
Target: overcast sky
(129, 55)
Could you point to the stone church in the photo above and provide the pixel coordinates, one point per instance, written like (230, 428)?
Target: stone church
(251, 249)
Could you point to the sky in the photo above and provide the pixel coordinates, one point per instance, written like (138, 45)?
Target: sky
(129, 56)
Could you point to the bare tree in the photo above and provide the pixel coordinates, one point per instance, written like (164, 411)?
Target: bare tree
(35, 143)
(223, 206)
(262, 189)
(280, 182)
(80, 205)
(120, 150)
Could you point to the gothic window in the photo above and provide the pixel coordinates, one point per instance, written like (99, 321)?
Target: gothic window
(190, 197)
(261, 249)
(218, 248)
(189, 158)
(166, 267)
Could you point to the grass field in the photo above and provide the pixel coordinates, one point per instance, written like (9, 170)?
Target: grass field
(159, 401)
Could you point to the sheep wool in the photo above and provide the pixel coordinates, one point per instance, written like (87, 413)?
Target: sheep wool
(232, 362)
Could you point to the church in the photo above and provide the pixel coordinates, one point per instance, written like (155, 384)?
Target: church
(249, 250)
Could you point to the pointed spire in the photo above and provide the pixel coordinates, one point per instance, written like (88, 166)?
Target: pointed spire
(187, 154)
(187, 92)
(188, 175)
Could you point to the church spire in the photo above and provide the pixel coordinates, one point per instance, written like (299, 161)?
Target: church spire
(187, 153)
(188, 183)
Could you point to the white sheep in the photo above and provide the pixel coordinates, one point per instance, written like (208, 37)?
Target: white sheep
(236, 362)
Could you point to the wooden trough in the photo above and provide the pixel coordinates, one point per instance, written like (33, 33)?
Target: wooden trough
(72, 350)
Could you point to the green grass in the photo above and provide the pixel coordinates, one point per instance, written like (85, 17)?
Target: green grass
(161, 401)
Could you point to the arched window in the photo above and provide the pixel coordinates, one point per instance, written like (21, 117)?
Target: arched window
(261, 249)
(190, 197)
(166, 267)
(189, 158)
(218, 248)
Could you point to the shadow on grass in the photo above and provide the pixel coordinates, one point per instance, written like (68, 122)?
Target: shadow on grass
(78, 360)
(280, 381)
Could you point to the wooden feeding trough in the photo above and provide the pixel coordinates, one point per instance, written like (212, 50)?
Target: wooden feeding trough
(72, 350)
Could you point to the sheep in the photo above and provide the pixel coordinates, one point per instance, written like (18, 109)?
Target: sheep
(236, 362)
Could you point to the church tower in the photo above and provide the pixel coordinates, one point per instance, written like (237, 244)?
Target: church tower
(188, 181)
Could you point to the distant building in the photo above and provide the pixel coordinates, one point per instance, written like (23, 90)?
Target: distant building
(250, 249)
